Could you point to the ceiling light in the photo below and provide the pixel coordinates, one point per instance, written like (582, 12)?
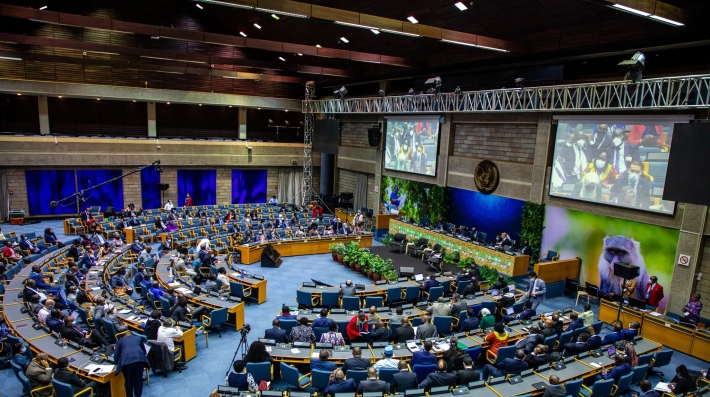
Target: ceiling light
(474, 45)
(98, 99)
(666, 20)
(276, 17)
(287, 112)
(43, 8)
(400, 32)
(318, 46)
(288, 14)
(375, 31)
(155, 37)
(199, 104)
(225, 3)
(168, 103)
(256, 25)
(299, 54)
(19, 93)
(461, 6)
(412, 19)
(243, 34)
(199, 6)
(133, 100)
(258, 108)
(354, 25)
(61, 96)
(230, 106)
(344, 40)
(631, 10)
(11, 58)
(282, 58)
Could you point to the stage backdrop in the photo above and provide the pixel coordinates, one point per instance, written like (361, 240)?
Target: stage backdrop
(201, 184)
(150, 194)
(105, 195)
(44, 186)
(248, 186)
(416, 199)
(488, 213)
(601, 241)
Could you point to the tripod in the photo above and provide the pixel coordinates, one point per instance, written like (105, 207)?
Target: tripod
(243, 347)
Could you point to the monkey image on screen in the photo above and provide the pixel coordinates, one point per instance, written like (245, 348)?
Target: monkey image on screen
(621, 249)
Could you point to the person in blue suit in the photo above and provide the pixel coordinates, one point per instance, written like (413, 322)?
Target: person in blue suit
(276, 333)
(527, 313)
(321, 363)
(471, 322)
(323, 321)
(594, 341)
(88, 259)
(338, 384)
(36, 275)
(27, 245)
(621, 368)
(631, 332)
(614, 336)
(576, 322)
(286, 314)
(130, 357)
(431, 282)
(507, 366)
(574, 348)
(423, 357)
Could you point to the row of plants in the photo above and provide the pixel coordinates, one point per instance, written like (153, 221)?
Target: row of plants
(363, 261)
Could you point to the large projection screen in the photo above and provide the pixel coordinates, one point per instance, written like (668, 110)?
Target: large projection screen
(412, 144)
(614, 160)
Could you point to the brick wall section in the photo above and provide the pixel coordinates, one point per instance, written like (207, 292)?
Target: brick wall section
(17, 184)
(354, 134)
(513, 143)
(272, 182)
(703, 286)
(347, 182)
(169, 176)
(224, 185)
(131, 189)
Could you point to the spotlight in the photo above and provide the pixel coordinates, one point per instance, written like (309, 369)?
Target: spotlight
(199, 6)
(634, 67)
(382, 93)
(256, 25)
(457, 90)
(271, 122)
(286, 123)
(243, 34)
(300, 123)
(411, 91)
(434, 84)
(520, 82)
(340, 93)
(45, 7)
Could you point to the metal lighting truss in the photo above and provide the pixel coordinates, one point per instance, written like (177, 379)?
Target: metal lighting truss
(662, 93)
(307, 185)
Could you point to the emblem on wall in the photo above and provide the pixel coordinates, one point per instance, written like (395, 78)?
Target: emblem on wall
(486, 176)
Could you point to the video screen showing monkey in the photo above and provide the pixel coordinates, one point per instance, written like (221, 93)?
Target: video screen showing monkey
(412, 144)
(614, 160)
(601, 241)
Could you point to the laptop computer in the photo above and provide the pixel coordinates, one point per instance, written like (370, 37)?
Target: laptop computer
(611, 350)
(418, 277)
(509, 311)
(511, 288)
(493, 292)
(539, 385)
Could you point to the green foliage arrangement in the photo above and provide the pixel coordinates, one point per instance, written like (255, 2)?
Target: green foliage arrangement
(423, 199)
(491, 275)
(388, 239)
(531, 227)
(338, 248)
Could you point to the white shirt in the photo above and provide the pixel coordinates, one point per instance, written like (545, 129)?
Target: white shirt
(224, 279)
(42, 315)
(166, 336)
(169, 206)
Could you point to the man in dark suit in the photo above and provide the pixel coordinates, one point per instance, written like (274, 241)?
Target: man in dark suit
(338, 384)
(526, 314)
(557, 324)
(159, 224)
(130, 357)
(621, 368)
(576, 322)
(467, 374)
(439, 377)
(533, 339)
(276, 333)
(371, 383)
(574, 348)
(323, 321)
(424, 356)
(122, 224)
(647, 389)
(426, 329)
(405, 332)
(614, 336)
(380, 333)
(507, 366)
(348, 289)
(470, 322)
(555, 389)
(594, 341)
(404, 379)
(631, 332)
(472, 288)
(431, 282)
(458, 305)
(356, 362)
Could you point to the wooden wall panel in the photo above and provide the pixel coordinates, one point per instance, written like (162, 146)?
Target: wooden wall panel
(19, 114)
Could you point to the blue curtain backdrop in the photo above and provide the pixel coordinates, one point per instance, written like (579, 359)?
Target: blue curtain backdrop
(201, 184)
(150, 194)
(108, 194)
(488, 213)
(44, 186)
(248, 186)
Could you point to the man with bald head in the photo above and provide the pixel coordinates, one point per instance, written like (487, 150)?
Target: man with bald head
(338, 384)
(372, 384)
(405, 332)
(555, 389)
(356, 362)
(380, 333)
(427, 329)
(348, 289)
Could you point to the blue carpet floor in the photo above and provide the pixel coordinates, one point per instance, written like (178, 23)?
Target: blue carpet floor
(208, 369)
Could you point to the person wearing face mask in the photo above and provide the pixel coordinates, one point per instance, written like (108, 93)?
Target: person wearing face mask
(691, 310)
(605, 171)
(600, 140)
(574, 156)
(404, 156)
(633, 180)
(588, 188)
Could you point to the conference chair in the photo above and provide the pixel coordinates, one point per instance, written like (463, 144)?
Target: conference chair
(411, 293)
(358, 376)
(436, 249)
(518, 307)
(295, 380)
(320, 379)
(573, 387)
(444, 324)
(418, 247)
(578, 332)
(435, 262)
(565, 337)
(597, 325)
(474, 352)
(238, 289)
(491, 306)
(416, 321)
(399, 241)
(109, 330)
(386, 374)
(305, 299)
(319, 331)
(661, 359)
(394, 294)
(639, 372)
(394, 326)
(26, 386)
(592, 292)
(422, 370)
(376, 301)
(287, 325)
(351, 303)
(599, 388)
(460, 286)
(214, 320)
(550, 256)
(503, 353)
(62, 389)
(434, 293)
(623, 385)
(330, 299)
(261, 371)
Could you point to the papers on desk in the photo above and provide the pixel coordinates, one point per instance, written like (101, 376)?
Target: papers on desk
(315, 355)
(95, 369)
(595, 365)
(268, 349)
(183, 290)
(124, 311)
(174, 285)
(412, 347)
(441, 347)
(655, 314)
(662, 386)
(295, 351)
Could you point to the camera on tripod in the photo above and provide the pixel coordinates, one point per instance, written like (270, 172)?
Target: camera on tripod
(245, 330)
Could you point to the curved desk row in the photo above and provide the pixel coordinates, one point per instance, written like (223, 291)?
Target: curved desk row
(251, 253)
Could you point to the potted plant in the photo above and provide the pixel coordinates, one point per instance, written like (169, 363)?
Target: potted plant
(464, 263)
(339, 252)
(380, 268)
(388, 239)
(351, 253)
(332, 248)
(366, 262)
(390, 275)
(452, 257)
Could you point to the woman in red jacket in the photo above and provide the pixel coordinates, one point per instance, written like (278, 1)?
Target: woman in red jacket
(497, 338)
(356, 326)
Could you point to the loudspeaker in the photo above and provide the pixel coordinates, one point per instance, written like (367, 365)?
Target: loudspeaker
(270, 257)
(163, 186)
(691, 143)
(626, 271)
(373, 136)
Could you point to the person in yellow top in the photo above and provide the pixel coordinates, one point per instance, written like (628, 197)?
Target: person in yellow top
(606, 172)
(404, 156)
(629, 288)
